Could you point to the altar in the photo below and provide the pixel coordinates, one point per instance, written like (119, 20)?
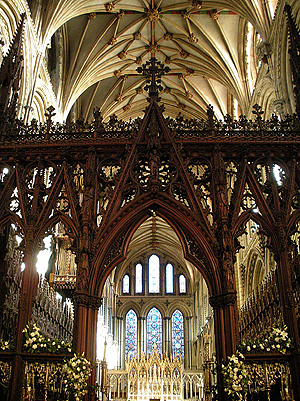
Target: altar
(154, 377)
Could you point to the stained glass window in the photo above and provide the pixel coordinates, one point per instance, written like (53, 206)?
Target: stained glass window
(154, 274)
(182, 284)
(130, 334)
(126, 284)
(138, 278)
(169, 278)
(177, 334)
(154, 330)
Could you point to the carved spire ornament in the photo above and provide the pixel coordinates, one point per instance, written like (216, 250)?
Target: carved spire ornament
(153, 71)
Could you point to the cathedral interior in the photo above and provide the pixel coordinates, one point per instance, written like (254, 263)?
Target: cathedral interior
(149, 200)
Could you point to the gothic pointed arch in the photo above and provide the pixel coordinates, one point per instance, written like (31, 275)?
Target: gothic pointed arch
(195, 245)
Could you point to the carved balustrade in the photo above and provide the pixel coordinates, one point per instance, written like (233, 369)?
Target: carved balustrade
(243, 129)
(63, 282)
(261, 311)
(52, 316)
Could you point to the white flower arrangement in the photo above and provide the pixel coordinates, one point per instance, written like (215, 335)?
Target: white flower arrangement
(5, 345)
(76, 374)
(277, 341)
(76, 370)
(36, 342)
(235, 376)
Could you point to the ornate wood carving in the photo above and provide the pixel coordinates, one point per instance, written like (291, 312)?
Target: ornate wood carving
(88, 177)
(89, 301)
(222, 300)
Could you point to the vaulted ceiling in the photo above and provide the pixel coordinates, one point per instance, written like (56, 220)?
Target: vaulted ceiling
(209, 47)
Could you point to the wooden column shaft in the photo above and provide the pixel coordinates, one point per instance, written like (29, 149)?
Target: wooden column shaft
(85, 331)
(28, 291)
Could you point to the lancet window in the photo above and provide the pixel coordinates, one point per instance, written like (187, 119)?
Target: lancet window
(182, 284)
(126, 284)
(177, 334)
(169, 279)
(154, 331)
(154, 275)
(138, 278)
(130, 334)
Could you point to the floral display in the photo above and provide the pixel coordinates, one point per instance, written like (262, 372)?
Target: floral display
(5, 345)
(235, 376)
(277, 341)
(77, 370)
(36, 342)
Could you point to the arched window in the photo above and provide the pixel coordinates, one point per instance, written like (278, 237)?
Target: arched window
(177, 334)
(169, 279)
(182, 284)
(138, 278)
(153, 274)
(130, 333)
(154, 330)
(126, 284)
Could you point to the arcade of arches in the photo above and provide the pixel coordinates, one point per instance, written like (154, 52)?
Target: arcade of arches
(149, 200)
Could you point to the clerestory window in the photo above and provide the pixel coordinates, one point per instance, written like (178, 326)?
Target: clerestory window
(126, 283)
(138, 278)
(182, 284)
(169, 279)
(154, 276)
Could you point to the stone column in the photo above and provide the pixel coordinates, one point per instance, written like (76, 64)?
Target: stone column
(121, 341)
(141, 336)
(189, 342)
(167, 337)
